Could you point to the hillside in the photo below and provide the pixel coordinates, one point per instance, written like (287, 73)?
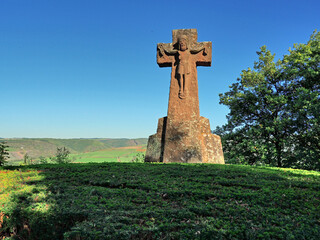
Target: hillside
(158, 201)
(36, 147)
(120, 154)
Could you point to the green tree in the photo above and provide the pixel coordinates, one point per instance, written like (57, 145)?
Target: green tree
(302, 68)
(62, 155)
(258, 122)
(26, 159)
(274, 110)
(4, 155)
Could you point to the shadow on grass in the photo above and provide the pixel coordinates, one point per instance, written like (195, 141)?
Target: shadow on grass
(171, 201)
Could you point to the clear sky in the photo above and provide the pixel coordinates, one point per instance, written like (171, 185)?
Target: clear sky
(76, 68)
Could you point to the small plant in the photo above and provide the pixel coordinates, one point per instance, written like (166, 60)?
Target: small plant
(27, 159)
(43, 160)
(3, 153)
(62, 155)
(139, 158)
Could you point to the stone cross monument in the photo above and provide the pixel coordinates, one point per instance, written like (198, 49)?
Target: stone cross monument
(184, 136)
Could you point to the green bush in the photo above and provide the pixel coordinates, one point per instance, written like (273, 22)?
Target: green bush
(139, 158)
(3, 153)
(62, 156)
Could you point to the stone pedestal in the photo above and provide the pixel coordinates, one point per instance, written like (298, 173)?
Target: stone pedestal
(184, 136)
(188, 142)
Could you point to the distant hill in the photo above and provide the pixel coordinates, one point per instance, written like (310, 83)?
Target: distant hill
(36, 147)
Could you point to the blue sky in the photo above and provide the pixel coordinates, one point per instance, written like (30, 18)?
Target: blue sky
(71, 69)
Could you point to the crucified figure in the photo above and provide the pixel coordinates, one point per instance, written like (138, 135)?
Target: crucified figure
(183, 54)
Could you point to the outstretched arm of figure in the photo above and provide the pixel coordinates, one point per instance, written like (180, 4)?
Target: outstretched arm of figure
(194, 51)
(163, 50)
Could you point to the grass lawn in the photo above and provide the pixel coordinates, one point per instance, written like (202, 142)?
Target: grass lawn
(158, 201)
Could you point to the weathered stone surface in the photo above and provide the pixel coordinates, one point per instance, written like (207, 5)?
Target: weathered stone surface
(184, 136)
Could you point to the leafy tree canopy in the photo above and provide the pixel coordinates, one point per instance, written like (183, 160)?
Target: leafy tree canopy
(274, 110)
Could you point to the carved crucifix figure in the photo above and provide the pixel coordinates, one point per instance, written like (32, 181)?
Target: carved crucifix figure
(183, 61)
(183, 55)
(184, 136)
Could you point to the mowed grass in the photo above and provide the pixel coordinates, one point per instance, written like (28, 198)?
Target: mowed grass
(158, 201)
(122, 154)
(14, 182)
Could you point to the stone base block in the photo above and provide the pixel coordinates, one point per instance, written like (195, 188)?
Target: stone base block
(188, 142)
